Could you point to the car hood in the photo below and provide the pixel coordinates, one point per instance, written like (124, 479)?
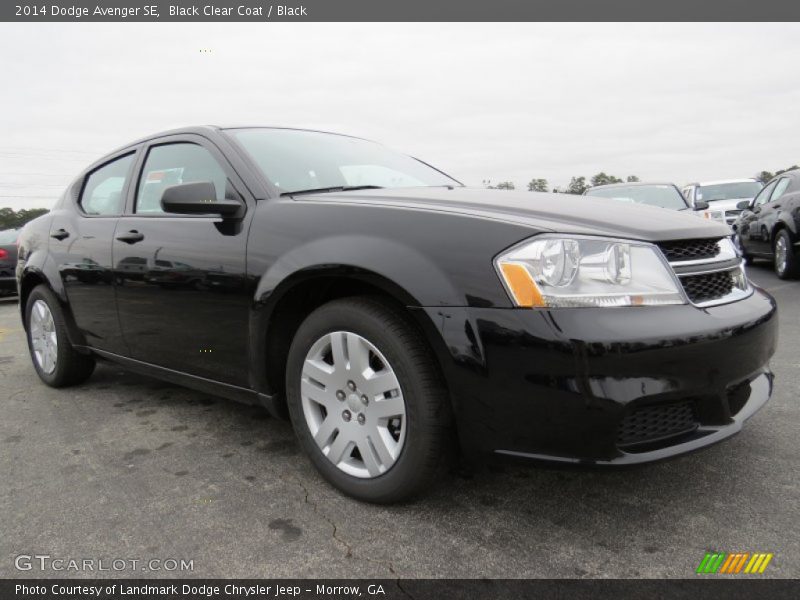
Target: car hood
(562, 213)
(726, 204)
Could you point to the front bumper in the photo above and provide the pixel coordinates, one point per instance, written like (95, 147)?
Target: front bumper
(568, 384)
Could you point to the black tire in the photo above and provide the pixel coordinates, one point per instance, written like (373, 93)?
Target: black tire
(792, 268)
(428, 448)
(71, 367)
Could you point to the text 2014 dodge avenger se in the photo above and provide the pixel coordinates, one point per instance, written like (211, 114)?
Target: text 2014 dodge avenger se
(391, 313)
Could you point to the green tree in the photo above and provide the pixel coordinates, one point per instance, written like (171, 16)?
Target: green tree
(631, 179)
(792, 168)
(11, 219)
(505, 185)
(537, 185)
(764, 176)
(577, 185)
(603, 179)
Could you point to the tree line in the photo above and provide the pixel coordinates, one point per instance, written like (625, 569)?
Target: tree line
(765, 176)
(11, 219)
(578, 185)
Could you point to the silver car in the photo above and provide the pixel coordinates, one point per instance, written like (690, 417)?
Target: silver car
(722, 197)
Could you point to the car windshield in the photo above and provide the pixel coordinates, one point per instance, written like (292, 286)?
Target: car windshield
(728, 191)
(9, 236)
(295, 160)
(665, 196)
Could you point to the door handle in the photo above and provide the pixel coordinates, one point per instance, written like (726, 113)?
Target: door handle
(60, 234)
(131, 237)
(776, 206)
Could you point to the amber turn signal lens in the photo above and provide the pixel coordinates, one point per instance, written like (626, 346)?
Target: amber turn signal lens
(521, 285)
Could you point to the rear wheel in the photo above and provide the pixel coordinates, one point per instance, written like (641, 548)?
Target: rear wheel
(366, 401)
(787, 265)
(56, 362)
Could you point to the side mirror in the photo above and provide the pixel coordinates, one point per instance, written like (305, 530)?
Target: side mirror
(700, 205)
(744, 204)
(199, 198)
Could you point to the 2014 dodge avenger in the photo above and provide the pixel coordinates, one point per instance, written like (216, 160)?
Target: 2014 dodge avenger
(393, 314)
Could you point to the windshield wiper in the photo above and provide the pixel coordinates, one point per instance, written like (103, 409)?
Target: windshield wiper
(341, 188)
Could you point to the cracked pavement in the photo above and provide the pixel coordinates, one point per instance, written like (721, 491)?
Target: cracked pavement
(129, 467)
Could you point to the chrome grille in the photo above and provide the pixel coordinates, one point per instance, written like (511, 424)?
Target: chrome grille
(732, 215)
(685, 250)
(708, 286)
(710, 270)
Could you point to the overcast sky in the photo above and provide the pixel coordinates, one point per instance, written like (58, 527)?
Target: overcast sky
(674, 102)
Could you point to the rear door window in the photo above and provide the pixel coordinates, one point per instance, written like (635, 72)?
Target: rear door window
(103, 191)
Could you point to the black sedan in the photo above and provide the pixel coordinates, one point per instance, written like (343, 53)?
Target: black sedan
(8, 261)
(392, 314)
(769, 225)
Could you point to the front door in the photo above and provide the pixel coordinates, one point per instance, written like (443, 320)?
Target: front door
(182, 291)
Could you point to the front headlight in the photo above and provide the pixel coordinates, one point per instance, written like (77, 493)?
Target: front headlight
(555, 271)
(714, 215)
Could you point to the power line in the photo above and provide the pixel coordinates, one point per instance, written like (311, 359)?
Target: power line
(45, 149)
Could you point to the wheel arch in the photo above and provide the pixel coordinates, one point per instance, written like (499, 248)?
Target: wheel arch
(31, 278)
(779, 226)
(278, 315)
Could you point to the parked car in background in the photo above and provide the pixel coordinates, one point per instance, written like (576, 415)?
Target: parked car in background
(663, 195)
(394, 315)
(723, 197)
(769, 225)
(8, 261)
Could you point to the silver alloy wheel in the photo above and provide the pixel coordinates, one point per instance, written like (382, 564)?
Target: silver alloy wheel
(353, 404)
(43, 336)
(781, 254)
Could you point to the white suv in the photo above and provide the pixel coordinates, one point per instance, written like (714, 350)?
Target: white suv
(722, 196)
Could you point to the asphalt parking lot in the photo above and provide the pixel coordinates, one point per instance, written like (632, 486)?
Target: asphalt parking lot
(129, 467)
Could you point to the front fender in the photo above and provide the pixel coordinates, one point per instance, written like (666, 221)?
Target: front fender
(414, 277)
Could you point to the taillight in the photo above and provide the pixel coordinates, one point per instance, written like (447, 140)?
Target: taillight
(3, 253)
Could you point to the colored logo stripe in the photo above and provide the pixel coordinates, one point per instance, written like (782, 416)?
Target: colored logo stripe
(720, 562)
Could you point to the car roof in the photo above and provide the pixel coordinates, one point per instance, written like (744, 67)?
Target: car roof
(206, 129)
(630, 183)
(721, 181)
(203, 130)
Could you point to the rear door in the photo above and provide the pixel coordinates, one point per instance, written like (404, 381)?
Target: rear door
(81, 233)
(768, 216)
(750, 232)
(182, 293)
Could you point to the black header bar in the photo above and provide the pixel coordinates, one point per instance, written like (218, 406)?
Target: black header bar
(399, 10)
(706, 587)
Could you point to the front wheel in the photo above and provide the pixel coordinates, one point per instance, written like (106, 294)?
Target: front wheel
(367, 402)
(56, 362)
(737, 240)
(786, 264)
